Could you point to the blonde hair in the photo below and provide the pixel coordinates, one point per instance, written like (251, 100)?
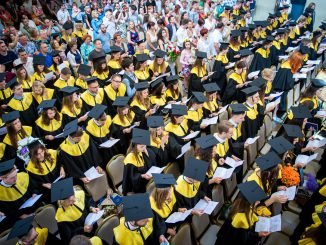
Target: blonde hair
(267, 72)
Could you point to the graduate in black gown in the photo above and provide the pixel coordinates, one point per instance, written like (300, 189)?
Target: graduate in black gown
(78, 153)
(276, 48)
(234, 46)
(239, 228)
(159, 66)
(195, 112)
(141, 68)
(5, 91)
(137, 224)
(262, 57)
(172, 92)
(114, 64)
(137, 162)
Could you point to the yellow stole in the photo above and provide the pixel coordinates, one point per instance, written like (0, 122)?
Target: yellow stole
(167, 207)
(186, 189)
(9, 194)
(77, 149)
(112, 94)
(21, 105)
(53, 126)
(91, 100)
(46, 166)
(137, 161)
(47, 95)
(176, 128)
(99, 131)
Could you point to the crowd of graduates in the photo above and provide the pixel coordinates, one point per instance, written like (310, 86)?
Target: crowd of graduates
(56, 121)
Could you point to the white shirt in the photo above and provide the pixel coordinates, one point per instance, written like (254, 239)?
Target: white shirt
(28, 66)
(63, 16)
(181, 35)
(204, 46)
(215, 37)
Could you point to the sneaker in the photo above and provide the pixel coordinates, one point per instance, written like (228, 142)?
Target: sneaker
(277, 120)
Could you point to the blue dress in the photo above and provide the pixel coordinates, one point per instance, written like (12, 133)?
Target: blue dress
(134, 38)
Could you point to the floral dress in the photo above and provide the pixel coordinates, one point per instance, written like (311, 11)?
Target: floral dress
(134, 38)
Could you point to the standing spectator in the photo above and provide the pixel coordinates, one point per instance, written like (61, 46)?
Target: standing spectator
(163, 40)
(109, 23)
(151, 37)
(63, 14)
(121, 18)
(172, 27)
(24, 43)
(134, 16)
(193, 13)
(24, 59)
(184, 7)
(44, 51)
(105, 37)
(6, 57)
(76, 14)
(86, 48)
(132, 37)
(97, 52)
(96, 22)
(216, 37)
(88, 17)
(118, 42)
(182, 33)
(204, 44)
(38, 14)
(74, 57)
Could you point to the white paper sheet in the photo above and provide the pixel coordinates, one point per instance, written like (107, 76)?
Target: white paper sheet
(58, 136)
(48, 76)
(253, 74)
(207, 207)
(224, 173)
(2, 217)
(305, 70)
(266, 224)
(299, 75)
(61, 66)
(283, 57)
(289, 193)
(313, 62)
(3, 130)
(250, 141)
(223, 109)
(91, 218)
(191, 135)
(178, 216)
(184, 149)
(275, 95)
(316, 143)
(290, 49)
(321, 113)
(155, 170)
(273, 104)
(305, 159)
(209, 121)
(92, 174)
(109, 143)
(30, 202)
(230, 65)
(233, 163)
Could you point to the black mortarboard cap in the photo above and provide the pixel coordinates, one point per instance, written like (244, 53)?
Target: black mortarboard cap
(21, 228)
(280, 31)
(269, 39)
(141, 86)
(227, 7)
(46, 104)
(292, 23)
(97, 111)
(252, 191)
(271, 16)
(280, 145)
(121, 101)
(196, 169)
(235, 33)
(156, 83)
(62, 189)
(140, 41)
(68, 25)
(140, 136)
(237, 109)
(244, 29)
(211, 87)
(258, 82)
(250, 91)
(33, 145)
(12, 83)
(293, 131)
(155, 121)
(68, 90)
(163, 180)
(179, 110)
(322, 217)
(115, 49)
(55, 35)
(70, 128)
(159, 53)
(10, 116)
(251, 26)
(99, 57)
(39, 60)
(137, 207)
(199, 97)
(55, 53)
(84, 70)
(142, 57)
(300, 112)
(304, 49)
(207, 141)
(173, 79)
(245, 52)
(7, 166)
(91, 80)
(268, 161)
(318, 83)
(201, 55)
(224, 45)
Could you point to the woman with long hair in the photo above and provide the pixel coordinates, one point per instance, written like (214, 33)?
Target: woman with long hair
(137, 162)
(173, 93)
(39, 71)
(151, 37)
(40, 92)
(24, 78)
(195, 112)
(49, 124)
(141, 68)
(158, 97)
(43, 168)
(132, 37)
(114, 63)
(159, 66)
(234, 46)
(56, 62)
(163, 40)
(284, 80)
(101, 71)
(210, 107)
(121, 123)
(315, 50)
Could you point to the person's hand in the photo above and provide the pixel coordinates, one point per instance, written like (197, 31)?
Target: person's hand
(246, 145)
(62, 172)
(236, 158)
(137, 124)
(165, 138)
(197, 212)
(156, 74)
(279, 199)
(207, 199)
(47, 185)
(311, 148)
(204, 78)
(263, 233)
(146, 176)
(126, 130)
(4, 107)
(217, 180)
(95, 210)
(298, 165)
(85, 180)
(182, 210)
(49, 137)
(237, 56)
(240, 85)
(84, 117)
(88, 228)
(202, 126)
(99, 170)
(171, 231)
(221, 161)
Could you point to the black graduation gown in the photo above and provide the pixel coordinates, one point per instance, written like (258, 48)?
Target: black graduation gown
(219, 76)
(195, 83)
(167, 69)
(250, 126)
(26, 108)
(233, 52)
(111, 95)
(261, 60)
(194, 119)
(178, 131)
(54, 128)
(68, 116)
(5, 96)
(114, 67)
(133, 169)
(169, 97)
(90, 101)
(140, 111)
(275, 52)
(231, 92)
(78, 158)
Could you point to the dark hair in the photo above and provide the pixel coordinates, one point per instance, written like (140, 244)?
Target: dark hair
(150, 24)
(184, 22)
(80, 240)
(46, 120)
(269, 179)
(133, 7)
(65, 71)
(47, 157)
(207, 156)
(96, 40)
(21, 50)
(309, 93)
(241, 205)
(160, 22)
(126, 62)
(201, 22)
(203, 32)
(13, 134)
